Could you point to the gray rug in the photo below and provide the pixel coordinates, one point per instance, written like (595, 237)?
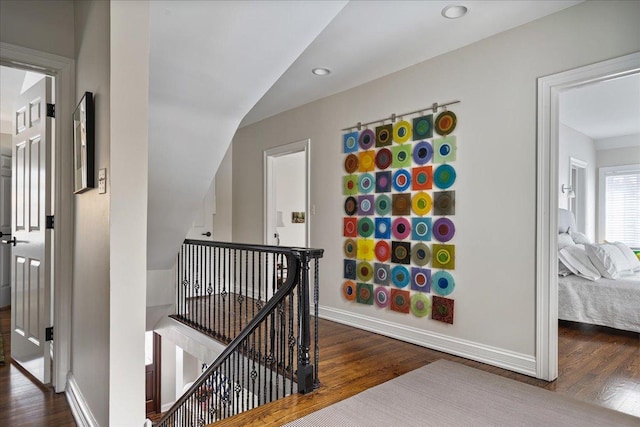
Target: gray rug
(449, 394)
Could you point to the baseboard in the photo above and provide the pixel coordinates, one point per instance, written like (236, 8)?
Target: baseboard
(494, 356)
(79, 408)
(166, 406)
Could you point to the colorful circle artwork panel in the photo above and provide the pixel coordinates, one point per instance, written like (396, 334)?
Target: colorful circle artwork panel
(445, 122)
(365, 249)
(421, 229)
(400, 276)
(366, 183)
(365, 227)
(364, 293)
(350, 142)
(365, 205)
(443, 229)
(383, 135)
(401, 156)
(444, 203)
(420, 305)
(400, 300)
(420, 254)
(381, 274)
(383, 251)
(444, 176)
(367, 139)
(383, 228)
(383, 205)
(349, 290)
(351, 163)
(402, 132)
(382, 296)
(420, 279)
(401, 228)
(444, 149)
(383, 182)
(364, 271)
(401, 204)
(350, 185)
(444, 256)
(401, 252)
(350, 248)
(421, 203)
(366, 161)
(443, 283)
(384, 158)
(422, 153)
(442, 309)
(350, 206)
(350, 227)
(349, 269)
(401, 180)
(422, 178)
(423, 127)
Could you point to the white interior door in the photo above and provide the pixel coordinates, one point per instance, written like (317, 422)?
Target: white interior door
(30, 241)
(202, 227)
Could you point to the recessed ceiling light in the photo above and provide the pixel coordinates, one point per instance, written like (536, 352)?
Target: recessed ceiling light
(321, 71)
(454, 11)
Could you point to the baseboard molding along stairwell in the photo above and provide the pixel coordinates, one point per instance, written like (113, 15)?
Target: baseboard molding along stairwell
(506, 359)
(79, 408)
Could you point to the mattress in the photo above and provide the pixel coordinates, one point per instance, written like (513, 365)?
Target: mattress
(612, 303)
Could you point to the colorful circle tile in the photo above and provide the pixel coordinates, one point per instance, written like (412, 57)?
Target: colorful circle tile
(400, 300)
(364, 271)
(383, 135)
(366, 161)
(444, 176)
(421, 228)
(365, 227)
(350, 227)
(422, 178)
(401, 204)
(420, 254)
(442, 283)
(350, 206)
(366, 183)
(444, 203)
(381, 296)
(423, 127)
(350, 142)
(401, 180)
(350, 248)
(443, 256)
(382, 251)
(351, 163)
(400, 276)
(420, 279)
(364, 293)
(349, 269)
(384, 158)
(365, 205)
(367, 139)
(383, 228)
(383, 182)
(383, 205)
(402, 132)
(349, 290)
(446, 122)
(421, 203)
(443, 229)
(420, 305)
(422, 152)
(381, 274)
(401, 228)
(401, 252)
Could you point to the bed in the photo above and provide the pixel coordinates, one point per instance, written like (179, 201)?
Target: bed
(605, 302)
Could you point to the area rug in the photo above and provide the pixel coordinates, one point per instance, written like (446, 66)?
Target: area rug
(449, 394)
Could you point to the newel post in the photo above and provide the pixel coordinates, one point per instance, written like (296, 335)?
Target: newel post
(305, 368)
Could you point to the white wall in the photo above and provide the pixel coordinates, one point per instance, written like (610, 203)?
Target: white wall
(624, 150)
(90, 306)
(495, 80)
(290, 186)
(574, 144)
(41, 24)
(223, 218)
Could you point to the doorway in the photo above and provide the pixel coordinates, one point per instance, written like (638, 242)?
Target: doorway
(548, 185)
(286, 207)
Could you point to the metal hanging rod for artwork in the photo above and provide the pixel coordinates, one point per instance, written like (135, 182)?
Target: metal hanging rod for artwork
(434, 107)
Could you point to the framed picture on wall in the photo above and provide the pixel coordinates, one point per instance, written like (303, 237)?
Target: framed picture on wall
(83, 144)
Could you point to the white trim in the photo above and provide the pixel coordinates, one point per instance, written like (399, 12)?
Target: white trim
(64, 71)
(549, 88)
(268, 156)
(79, 408)
(505, 359)
(167, 406)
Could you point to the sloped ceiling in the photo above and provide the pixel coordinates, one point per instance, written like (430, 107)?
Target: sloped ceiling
(210, 62)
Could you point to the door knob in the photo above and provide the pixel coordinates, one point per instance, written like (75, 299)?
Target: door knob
(208, 234)
(13, 241)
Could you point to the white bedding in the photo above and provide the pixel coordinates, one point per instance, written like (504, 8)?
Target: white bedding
(613, 303)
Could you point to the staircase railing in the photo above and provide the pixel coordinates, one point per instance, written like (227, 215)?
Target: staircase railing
(256, 298)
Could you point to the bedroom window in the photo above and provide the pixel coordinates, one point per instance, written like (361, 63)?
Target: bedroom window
(620, 204)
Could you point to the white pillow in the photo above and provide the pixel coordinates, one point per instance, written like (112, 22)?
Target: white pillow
(608, 259)
(579, 238)
(563, 271)
(564, 239)
(578, 262)
(634, 262)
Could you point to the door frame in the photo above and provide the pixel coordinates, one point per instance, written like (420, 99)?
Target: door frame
(268, 158)
(63, 69)
(547, 188)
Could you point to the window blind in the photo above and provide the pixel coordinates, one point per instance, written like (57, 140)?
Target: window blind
(622, 209)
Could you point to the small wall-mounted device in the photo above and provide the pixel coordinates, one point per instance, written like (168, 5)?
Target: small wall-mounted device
(102, 181)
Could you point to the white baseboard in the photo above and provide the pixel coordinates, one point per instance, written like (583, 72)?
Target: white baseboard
(494, 356)
(166, 406)
(79, 408)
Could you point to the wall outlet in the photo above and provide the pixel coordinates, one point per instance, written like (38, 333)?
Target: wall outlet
(102, 181)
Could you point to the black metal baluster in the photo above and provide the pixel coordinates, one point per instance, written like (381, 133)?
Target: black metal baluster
(316, 303)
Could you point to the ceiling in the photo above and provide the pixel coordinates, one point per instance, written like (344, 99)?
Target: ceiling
(605, 109)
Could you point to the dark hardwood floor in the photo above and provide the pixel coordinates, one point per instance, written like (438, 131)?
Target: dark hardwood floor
(598, 365)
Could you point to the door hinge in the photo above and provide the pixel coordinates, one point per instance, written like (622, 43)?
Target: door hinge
(48, 334)
(49, 222)
(51, 110)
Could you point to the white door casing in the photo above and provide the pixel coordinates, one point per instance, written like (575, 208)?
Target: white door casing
(31, 247)
(5, 229)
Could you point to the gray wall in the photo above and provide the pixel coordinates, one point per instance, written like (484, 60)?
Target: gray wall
(495, 80)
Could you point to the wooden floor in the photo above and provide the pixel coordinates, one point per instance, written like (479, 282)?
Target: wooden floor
(23, 402)
(598, 365)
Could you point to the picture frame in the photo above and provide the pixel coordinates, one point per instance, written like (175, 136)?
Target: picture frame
(84, 144)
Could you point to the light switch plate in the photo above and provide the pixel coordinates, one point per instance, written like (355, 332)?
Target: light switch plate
(102, 181)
